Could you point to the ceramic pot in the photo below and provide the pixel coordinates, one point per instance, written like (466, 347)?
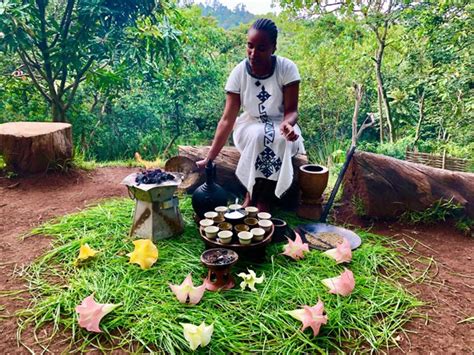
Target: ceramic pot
(313, 180)
(280, 230)
(209, 195)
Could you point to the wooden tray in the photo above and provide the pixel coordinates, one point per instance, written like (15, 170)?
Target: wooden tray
(254, 250)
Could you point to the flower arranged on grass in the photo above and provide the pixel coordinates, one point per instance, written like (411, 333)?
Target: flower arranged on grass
(310, 316)
(85, 252)
(342, 253)
(145, 253)
(187, 290)
(91, 313)
(250, 280)
(197, 335)
(296, 249)
(342, 285)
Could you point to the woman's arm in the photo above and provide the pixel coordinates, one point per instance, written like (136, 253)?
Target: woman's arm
(290, 101)
(224, 127)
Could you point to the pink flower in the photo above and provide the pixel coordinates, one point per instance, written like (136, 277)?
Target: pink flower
(342, 253)
(91, 313)
(295, 249)
(310, 316)
(187, 289)
(342, 285)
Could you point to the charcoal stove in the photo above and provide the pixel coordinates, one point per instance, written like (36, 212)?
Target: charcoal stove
(156, 214)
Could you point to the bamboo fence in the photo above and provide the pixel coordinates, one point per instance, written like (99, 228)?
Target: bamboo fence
(439, 161)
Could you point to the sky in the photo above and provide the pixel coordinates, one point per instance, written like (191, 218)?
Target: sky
(256, 7)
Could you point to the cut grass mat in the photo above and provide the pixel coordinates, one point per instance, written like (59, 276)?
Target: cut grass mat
(149, 316)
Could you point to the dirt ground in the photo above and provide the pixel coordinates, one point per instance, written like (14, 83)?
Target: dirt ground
(28, 202)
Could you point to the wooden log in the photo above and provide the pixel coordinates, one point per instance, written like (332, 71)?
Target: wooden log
(33, 147)
(387, 187)
(226, 163)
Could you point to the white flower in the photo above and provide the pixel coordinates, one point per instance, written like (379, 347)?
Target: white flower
(250, 280)
(197, 335)
(2, 35)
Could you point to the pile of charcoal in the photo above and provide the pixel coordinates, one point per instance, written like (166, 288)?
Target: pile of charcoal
(156, 176)
(220, 257)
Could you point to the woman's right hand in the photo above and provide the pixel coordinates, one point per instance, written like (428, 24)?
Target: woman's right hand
(202, 163)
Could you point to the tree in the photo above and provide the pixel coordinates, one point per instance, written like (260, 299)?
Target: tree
(60, 42)
(437, 69)
(379, 16)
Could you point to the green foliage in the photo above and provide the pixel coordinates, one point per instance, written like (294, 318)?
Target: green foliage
(358, 206)
(80, 162)
(179, 101)
(157, 78)
(226, 17)
(437, 46)
(331, 54)
(59, 42)
(396, 150)
(465, 225)
(149, 316)
(439, 211)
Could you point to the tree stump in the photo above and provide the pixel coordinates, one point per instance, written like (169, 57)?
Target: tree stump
(226, 163)
(385, 187)
(33, 147)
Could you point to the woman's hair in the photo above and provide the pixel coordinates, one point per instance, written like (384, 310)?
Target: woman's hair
(267, 25)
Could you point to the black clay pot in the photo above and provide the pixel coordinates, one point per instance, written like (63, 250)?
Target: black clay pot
(209, 195)
(282, 231)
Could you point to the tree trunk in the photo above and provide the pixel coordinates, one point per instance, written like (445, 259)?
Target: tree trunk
(386, 187)
(379, 101)
(226, 163)
(33, 147)
(359, 93)
(383, 92)
(421, 105)
(58, 112)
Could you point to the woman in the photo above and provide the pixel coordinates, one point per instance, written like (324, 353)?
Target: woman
(266, 134)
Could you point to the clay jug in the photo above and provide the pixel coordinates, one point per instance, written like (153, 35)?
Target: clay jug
(209, 195)
(313, 180)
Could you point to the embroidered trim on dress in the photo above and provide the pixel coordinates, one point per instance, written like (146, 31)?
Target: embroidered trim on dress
(267, 161)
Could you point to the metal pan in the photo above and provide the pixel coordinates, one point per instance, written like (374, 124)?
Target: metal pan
(315, 228)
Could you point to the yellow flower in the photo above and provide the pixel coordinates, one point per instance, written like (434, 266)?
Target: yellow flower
(145, 253)
(85, 252)
(197, 335)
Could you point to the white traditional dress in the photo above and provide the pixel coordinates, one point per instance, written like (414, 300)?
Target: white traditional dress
(264, 152)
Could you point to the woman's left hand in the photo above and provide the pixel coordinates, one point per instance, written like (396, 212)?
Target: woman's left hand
(288, 131)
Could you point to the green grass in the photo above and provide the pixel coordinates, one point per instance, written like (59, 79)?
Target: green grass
(92, 164)
(465, 225)
(439, 211)
(149, 317)
(358, 206)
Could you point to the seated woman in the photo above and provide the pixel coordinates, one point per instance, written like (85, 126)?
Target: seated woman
(266, 133)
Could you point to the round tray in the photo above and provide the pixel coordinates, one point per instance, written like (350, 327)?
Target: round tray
(257, 248)
(315, 228)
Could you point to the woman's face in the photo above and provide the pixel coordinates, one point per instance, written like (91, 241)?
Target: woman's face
(259, 48)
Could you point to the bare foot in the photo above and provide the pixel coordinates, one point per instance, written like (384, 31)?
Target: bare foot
(247, 200)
